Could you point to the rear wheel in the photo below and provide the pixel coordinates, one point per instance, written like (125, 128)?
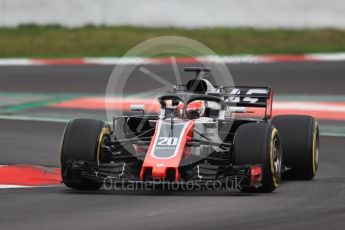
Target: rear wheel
(300, 142)
(259, 143)
(82, 141)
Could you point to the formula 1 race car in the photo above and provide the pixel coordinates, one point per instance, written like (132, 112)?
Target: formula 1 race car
(201, 135)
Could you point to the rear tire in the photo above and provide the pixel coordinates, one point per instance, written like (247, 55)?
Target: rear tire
(82, 140)
(259, 143)
(300, 142)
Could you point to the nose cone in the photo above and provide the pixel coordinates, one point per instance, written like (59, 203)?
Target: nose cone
(166, 151)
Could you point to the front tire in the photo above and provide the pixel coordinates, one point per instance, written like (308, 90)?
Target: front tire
(82, 140)
(259, 143)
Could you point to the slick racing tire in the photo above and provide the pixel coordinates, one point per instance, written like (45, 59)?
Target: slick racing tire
(300, 141)
(259, 144)
(81, 141)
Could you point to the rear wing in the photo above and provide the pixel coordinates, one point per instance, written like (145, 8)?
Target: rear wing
(246, 96)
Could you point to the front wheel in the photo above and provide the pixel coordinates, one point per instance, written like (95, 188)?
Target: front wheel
(259, 143)
(82, 140)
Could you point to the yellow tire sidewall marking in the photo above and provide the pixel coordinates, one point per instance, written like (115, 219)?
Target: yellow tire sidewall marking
(273, 171)
(105, 130)
(314, 150)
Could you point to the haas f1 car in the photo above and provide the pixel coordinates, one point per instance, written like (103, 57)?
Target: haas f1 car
(200, 135)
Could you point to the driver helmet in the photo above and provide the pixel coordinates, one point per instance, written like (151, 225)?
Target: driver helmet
(195, 109)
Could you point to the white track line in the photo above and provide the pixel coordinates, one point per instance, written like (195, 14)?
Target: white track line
(4, 186)
(8, 186)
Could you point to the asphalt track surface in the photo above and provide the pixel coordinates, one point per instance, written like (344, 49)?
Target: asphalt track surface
(317, 204)
(284, 78)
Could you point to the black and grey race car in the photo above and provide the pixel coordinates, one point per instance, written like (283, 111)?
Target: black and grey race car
(201, 135)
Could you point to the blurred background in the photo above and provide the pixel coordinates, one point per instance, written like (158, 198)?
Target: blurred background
(49, 28)
(178, 13)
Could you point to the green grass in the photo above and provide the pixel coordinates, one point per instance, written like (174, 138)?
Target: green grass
(55, 41)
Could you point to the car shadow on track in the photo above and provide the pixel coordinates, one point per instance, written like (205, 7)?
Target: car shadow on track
(159, 193)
